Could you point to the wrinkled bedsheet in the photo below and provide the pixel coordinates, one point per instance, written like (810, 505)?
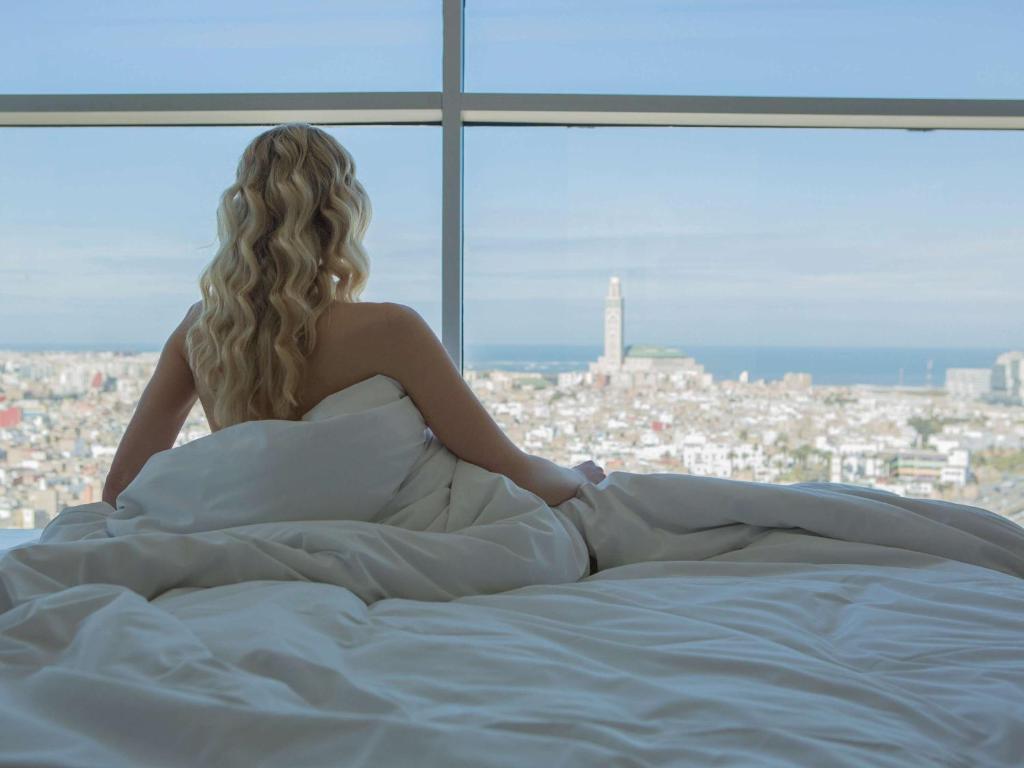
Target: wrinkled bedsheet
(458, 620)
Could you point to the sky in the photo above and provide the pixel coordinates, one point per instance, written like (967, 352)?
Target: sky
(721, 236)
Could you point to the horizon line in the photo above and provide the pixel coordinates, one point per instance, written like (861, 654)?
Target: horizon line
(143, 347)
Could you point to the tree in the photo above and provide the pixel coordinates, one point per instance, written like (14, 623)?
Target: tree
(925, 428)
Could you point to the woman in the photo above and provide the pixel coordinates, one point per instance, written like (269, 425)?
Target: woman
(280, 326)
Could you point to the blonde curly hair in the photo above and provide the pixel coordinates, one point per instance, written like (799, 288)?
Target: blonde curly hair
(290, 231)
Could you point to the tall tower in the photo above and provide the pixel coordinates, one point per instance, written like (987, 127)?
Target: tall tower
(613, 324)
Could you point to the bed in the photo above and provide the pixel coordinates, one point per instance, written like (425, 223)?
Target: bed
(398, 606)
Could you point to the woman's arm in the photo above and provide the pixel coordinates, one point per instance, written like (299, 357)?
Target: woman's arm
(165, 404)
(415, 357)
(552, 482)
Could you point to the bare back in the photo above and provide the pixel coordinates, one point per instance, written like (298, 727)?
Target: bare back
(350, 339)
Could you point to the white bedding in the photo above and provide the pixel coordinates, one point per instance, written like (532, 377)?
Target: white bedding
(455, 622)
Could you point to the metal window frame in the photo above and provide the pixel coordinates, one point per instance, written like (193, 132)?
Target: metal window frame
(452, 108)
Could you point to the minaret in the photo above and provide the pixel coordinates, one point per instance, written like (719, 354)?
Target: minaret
(613, 324)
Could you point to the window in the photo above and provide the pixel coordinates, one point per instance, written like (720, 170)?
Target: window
(904, 49)
(190, 46)
(103, 234)
(829, 302)
(97, 224)
(796, 304)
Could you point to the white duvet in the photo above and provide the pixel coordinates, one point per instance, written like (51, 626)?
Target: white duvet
(344, 591)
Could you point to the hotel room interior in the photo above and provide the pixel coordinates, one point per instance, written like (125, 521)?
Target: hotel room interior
(751, 270)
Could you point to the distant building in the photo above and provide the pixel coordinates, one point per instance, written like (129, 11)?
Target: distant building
(639, 364)
(929, 467)
(1008, 378)
(796, 381)
(968, 383)
(10, 417)
(614, 322)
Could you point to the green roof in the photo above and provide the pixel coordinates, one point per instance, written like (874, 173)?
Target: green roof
(649, 350)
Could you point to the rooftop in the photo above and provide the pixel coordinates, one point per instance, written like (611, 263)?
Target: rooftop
(649, 350)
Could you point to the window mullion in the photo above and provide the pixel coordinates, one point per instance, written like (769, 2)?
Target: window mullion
(451, 180)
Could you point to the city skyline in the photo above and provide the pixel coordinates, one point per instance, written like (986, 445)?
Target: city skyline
(61, 417)
(906, 367)
(636, 407)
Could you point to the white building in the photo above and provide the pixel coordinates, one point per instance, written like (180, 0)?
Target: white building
(638, 365)
(701, 456)
(968, 383)
(1008, 377)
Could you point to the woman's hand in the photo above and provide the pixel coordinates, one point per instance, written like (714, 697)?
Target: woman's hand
(554, 483)
(591, 471)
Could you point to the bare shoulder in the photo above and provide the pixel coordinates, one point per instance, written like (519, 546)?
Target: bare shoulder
(401, 319)
(179, 334)
(364, 338)
(407, 333)
(397, 340)
(379, 319)
(375, 318)
(387, 311)
(191, 315)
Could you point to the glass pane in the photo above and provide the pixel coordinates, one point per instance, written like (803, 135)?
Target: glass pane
(905, 48)
(103, 234)
(190, 46)
(789, 304)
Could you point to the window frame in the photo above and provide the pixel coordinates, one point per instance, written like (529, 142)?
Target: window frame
(452, 108)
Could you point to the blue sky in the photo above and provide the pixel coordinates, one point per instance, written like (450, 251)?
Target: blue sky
(721, 236)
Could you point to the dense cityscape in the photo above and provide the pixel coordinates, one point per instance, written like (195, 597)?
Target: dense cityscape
(638, 408)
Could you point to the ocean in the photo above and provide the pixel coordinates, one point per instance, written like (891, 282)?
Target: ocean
(878, 366)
